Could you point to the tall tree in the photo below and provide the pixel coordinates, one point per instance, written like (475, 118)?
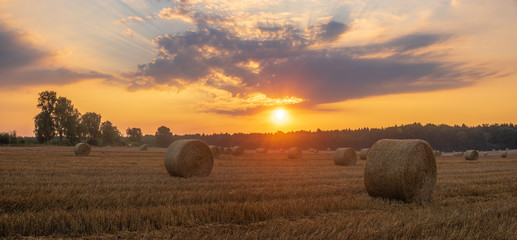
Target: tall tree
(92, 124)
(68, 120)
(44, 125)
(163, 136)
(110, 134)
(134, 134)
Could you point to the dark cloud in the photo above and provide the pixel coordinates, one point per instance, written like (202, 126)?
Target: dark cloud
(332, 30)
(19, 61)
(15, 52)
(283, 62)
(55, 76)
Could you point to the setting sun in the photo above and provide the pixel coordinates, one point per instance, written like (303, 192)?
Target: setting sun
(279, 116)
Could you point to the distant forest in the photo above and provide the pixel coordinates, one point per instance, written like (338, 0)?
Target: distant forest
(440, 137)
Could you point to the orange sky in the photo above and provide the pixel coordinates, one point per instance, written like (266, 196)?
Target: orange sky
(210, 67)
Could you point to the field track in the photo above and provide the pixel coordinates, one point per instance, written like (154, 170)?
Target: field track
(125, 193)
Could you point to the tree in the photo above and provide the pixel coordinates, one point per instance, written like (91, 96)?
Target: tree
(91, 122)
(134, 134)
(68, 120)
(44, 125)
(163, 136)
(110, 134)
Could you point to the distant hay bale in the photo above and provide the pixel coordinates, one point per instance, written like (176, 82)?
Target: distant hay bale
(504, 154)
(221, 150)
(261, 150)
(82, 149)
(227, 150)
(471, 155)
(237, 150)
(294, 153)
(189, 158)
(363, 153)
(144, 147)
(329, 149)
(215, 151)
(485, 154)
(281, 150)
(401, 169)
(345, 157)
(313, 150)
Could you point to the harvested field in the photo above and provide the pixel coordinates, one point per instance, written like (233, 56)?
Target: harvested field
(125, 193)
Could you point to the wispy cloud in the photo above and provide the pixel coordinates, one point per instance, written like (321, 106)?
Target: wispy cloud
(128, 32)
(22, 63)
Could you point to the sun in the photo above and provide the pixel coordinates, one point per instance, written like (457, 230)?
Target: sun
(279, 116)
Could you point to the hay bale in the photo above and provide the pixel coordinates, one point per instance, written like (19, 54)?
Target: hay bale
(329, 149)
(82, 149)
(363, 153)
(504, 154)
(189, 158)
(221, 150)
(215, 151)
(144, 147)
(294, 153)
(345, 157)
(261, 150)
(281, 150)
(471, 155)
(237, 150)
(400, 169)
(485, 154)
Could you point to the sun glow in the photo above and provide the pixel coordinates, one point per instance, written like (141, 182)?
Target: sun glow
(279, 116)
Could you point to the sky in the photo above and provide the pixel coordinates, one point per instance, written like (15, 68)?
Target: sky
(228, 66)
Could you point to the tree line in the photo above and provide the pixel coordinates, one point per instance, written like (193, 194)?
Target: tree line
(440, 137)
(60, 123)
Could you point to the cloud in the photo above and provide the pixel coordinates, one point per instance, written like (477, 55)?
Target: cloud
(332, 30)
(23, 64)
(16, 51)
(128, 32)
(54, 76)
(131, 19)
(283, 61)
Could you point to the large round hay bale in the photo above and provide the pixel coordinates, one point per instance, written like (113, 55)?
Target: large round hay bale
(82, 149)
(144, 147)
(471, 155)
(261, 150)
(345, 157)
(504, 154)
(188, 158)
(227, 150)
(294, 153)
(237, 150)
(215, 151)
(400, 169)
(363, 153)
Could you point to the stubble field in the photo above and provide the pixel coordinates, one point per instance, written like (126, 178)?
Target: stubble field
(125, 193)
